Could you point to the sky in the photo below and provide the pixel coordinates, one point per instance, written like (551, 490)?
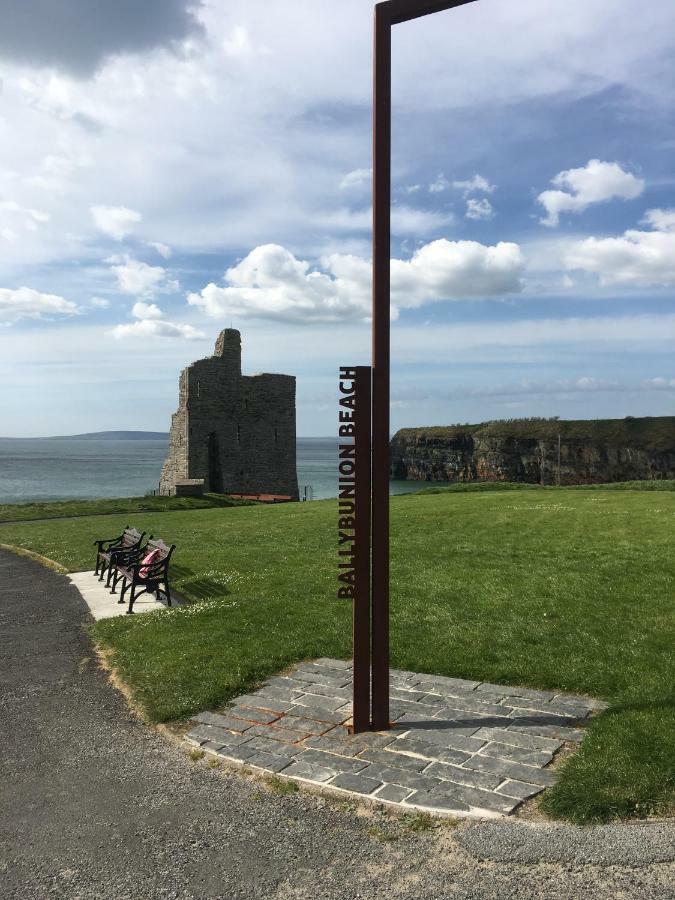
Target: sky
(176, 167)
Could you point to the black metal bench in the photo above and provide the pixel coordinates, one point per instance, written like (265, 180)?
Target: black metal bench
(151, 577)
(129, 541)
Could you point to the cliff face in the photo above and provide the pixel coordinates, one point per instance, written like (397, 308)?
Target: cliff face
(591, 452)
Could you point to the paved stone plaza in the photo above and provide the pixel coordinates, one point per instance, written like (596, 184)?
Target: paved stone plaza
(457, 747)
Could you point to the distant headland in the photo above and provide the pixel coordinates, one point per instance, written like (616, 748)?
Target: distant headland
(101, 436)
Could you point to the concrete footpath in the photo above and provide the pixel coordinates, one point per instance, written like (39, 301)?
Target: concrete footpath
(95, 805)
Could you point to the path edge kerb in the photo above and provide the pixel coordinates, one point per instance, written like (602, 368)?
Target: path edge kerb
(36, 557)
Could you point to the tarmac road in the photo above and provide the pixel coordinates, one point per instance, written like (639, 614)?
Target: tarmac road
(93, 804)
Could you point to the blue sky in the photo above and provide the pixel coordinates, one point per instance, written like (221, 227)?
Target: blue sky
(209, 166)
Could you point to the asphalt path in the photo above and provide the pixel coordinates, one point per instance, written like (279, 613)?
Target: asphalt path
(93, 804)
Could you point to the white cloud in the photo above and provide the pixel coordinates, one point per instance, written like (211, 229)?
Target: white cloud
(163, 249)
(271, 283)
(596, 182)
(479, 209)
(660, 219)
(26, 303)
(139, 279)
(476, 185)
(289, 121)
(238, 44)
(34, 215)
(17, 221)
(142, 310)
(441, 184)
(638, 258)
(456, 270)
(99, 303)
(293, 123)
(356, 178)
(151, 323)
(157, 328)
(659, 384)
(405, 220)
(55, 172)
(115, 221)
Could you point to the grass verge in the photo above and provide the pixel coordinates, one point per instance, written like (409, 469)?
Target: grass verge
(37, 557)
(64, 509)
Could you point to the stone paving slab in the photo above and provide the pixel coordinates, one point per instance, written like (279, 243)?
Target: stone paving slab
(103, 605)
(456, 747)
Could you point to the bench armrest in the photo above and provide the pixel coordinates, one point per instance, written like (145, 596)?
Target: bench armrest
(111, 542)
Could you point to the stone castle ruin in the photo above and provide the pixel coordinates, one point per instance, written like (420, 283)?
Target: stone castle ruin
(232, 433)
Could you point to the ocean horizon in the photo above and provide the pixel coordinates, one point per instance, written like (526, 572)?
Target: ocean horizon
(84, 467)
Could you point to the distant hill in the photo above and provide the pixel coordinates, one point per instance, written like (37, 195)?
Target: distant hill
(114, 436)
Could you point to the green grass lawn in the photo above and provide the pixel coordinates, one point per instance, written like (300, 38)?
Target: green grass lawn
(58, 509)
(555, 588)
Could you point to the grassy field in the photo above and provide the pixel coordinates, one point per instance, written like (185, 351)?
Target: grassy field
(649, 433)
(553, 588)
(60, 509)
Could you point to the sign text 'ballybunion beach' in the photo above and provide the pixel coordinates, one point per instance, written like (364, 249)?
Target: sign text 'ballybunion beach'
(354, 499)
(347, 484)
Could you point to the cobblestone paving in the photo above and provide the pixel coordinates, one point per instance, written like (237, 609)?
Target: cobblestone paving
(456, 746)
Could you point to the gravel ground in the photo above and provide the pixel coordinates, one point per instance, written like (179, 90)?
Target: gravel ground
(95, 805)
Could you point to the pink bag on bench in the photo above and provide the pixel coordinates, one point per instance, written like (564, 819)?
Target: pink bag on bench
(147, 562)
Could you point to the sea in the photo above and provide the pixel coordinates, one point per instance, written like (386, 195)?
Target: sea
(33, 469)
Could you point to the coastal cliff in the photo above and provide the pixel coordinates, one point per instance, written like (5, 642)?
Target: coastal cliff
(538, 451)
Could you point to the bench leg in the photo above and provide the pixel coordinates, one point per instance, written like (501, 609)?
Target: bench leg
(125, 586)
(98, 563)
(167, 592)
(102, 572)
(115, 580)
(132, 597)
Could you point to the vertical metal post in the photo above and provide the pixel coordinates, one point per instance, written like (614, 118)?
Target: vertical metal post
(372, 634)
(361, 619)
(381, 356)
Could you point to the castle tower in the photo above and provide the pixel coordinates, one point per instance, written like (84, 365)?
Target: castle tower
(234, 433)
(228, 348)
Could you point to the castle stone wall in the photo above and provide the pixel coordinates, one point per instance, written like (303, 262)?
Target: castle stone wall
(236, 432)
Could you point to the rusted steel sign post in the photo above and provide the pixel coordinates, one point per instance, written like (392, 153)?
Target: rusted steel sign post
(354, 499)
(371, 537)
